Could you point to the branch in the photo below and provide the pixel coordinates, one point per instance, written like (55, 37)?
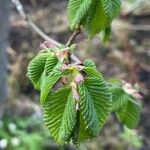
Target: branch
(22, 13)
(73, 36)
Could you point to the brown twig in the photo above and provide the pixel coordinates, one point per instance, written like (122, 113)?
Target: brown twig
(73, 36)
(22, 13)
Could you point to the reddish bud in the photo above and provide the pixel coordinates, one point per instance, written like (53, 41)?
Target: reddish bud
(79, 78)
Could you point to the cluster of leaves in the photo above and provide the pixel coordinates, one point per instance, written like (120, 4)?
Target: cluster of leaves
(94, 16)
(75, 99)
(78, 109)
(131, 137)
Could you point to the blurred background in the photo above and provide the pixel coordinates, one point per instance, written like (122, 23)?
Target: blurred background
(125, 56)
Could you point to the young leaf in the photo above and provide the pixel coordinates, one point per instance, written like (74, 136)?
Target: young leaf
(77, 9)
(69, 120)
(93, 15)
(101, 14)
(81, 132)
(100, 94)
(53, 111)
(95, 105)
(92, 72)
(105, 34)
(51, 62)
(97, 19)
(111, 8)
(126, 107)
(129, 114)
(50, 81)
(119, 97)
(88, 110)
(36, 68)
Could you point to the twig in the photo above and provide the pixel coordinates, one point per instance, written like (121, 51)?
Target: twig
(73, 36)
(41, 33)
(22, 13)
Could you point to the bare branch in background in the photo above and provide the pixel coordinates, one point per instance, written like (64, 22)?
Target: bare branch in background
(22, 13)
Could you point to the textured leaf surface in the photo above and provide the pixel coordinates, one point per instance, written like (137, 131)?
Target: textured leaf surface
(60, 115)
(95, 105)
(129, 114)
(101, 14)
(50, 81)
(81, 132)
(93, 15)
(97, 19)
(119, 97)
(105, 34)
(89, 63)
(88, 110)
(51, 62)
(36, 68)
(126, 107)
(111, 7)
(69, 120)
(101, 95)
(92, 72)
(77, 9)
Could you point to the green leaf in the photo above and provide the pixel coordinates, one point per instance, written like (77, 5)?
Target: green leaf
(65, 122)
(81, 132)
(51, 62)
(88, 110)
(111, 8)
(126, 107)
(115, 81)
(54, 109)
(69, 120)
(97, 19)
(105, 34)
(101, 14)
(119, 97)
(89, 63)
(36, 68)
(129, 114)
(50, 81)
(77, 9)
(95, 105)
(99, 91)
(92, 72)
(93, 15)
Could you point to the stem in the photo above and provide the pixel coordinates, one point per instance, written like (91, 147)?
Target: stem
(73, 36)
(22, 13)
(41, 33)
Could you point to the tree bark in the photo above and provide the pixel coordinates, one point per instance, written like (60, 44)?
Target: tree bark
(4, 30)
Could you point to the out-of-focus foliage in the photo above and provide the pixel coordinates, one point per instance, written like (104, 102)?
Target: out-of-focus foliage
(126, 107)
(131, 137)
(22, 133)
